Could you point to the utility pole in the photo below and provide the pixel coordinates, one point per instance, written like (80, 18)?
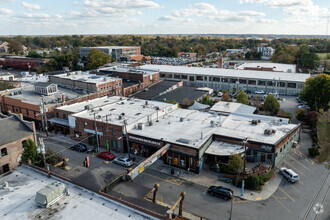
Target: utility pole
(108, 145)
(97, 136)
(42, 150)
(44, 116)
(245, 142)
(127, 142)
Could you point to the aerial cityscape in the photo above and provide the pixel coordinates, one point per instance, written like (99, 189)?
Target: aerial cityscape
(149, 109)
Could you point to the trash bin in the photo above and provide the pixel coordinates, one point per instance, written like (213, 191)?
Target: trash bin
(172, 171)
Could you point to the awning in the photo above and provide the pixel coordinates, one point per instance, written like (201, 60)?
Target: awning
(219, 148)
(59, 121)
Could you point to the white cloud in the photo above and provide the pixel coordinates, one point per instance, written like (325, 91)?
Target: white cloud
(267, 21)
(5, 11)
(198, 9)
(250, 13)
(41, 16)
(173, 18)
(125, 4)
(30, 6)
(252, 1)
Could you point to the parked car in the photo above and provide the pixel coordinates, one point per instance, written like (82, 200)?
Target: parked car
(299, 100)
(124, 161)
(79, 147)
(289, 174)
(221, 191)
(304, 106)
(106, 155)
(220, 94)
(259, 92)
(247, 91)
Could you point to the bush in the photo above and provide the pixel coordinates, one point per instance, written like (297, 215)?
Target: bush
(301, 112)
(268, 176)
(252, 182)
(313, 151)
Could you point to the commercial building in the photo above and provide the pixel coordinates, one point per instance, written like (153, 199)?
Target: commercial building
(116, 52)
(23, 63)
(14, 132)
(102, 85)
(134, 79)
(274, 67)
(195, 138)
(221, 79)
(6, 76)
(267, 52)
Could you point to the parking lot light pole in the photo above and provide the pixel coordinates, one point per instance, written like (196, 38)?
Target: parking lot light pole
(244, 142)
(127, 142)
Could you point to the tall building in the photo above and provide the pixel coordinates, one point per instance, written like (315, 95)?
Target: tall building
(116, 52)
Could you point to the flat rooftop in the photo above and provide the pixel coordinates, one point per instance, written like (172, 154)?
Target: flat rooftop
(230, 73)
(28, 95)
(219, 148)
(156, 90)
(133, 110)
(280, 67)
(86, 77)
(123, 69)
(18, 200)
(98, 102)
(231, 107)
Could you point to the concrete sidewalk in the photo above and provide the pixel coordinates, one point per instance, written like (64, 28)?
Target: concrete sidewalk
(204, 178)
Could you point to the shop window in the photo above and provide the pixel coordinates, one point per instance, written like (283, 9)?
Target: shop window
(85, 125)
(216, 79)
(113, 131)
(191, 78)
(184, 77)
(183, 162)
(233, 80)
(192, 163)
(27, 112)
(176, 76)
(118, 145)
(57, 115)
(64, 116)
(255, 153)
(4, 152)
(169, 158)
(114, 144)
(176, 159)
(269, 156)
(281, 150)
(261, 83)
(252, 82)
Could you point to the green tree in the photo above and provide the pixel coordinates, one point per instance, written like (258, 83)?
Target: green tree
(235, 163)
(30, 152)
(34, 55)
(242, 98)
(316, 92)
(15, 47)
(97, 58)
(271, 104)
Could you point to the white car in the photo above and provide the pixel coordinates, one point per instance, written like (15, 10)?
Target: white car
(220, 94)
(289, 174)
(259, 92)
(124, 161)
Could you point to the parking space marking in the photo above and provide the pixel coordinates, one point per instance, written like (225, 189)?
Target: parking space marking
(295, 189)
(299, 153)
(281, 203)
(287, 194)
(298, 162)
(295, 168)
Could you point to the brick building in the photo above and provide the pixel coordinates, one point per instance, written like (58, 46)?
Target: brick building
(11, 146)
(23, 63)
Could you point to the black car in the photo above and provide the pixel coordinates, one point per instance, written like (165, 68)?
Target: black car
(221, 191)
(79, 147)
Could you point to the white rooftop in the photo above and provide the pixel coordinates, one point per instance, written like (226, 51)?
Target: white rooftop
(17, 201)
(98, 102)
(113, 47)
(224, 149)
(86, 77)
(123, 69)
(231, 107)
(232, 73)
(280, 67)
(133, 110)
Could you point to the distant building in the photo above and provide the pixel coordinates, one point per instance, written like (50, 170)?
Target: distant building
(187, 55)
(116, 52)
(14, 132)
(273, 67)
(267, 52)
(23, 63)
(7, 76)
(4, 46)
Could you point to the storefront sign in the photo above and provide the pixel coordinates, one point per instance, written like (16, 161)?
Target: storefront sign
(144, 140)
(267, 148)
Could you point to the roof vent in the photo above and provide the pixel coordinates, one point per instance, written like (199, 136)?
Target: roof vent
(120, 117)
(254, 122)
(184, 141)
(269, 131)
(140, 126)
(212, 123)
(181, 119)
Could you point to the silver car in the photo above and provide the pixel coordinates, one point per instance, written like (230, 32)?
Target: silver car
(124, 161)
(289, 174)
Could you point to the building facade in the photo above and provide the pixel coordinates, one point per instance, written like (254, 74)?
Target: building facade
(116, 52)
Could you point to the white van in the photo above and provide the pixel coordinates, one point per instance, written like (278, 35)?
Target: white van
(289, 174)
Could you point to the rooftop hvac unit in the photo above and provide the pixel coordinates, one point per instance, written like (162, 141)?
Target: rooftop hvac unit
(181, 119)
(269, 131)
(51, 194)
(120, 117)
(150, 123)
(89, 107)
(255, 121)
(212, 123)
(140, 126)
(98, 117)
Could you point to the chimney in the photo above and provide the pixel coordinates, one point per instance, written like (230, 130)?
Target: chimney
(220, 62)
(63, 98)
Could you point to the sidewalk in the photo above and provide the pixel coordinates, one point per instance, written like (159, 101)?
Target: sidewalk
(205, 178)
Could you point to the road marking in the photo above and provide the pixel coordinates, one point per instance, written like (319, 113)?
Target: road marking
(295, 168)
(299, 162)
(294, 189)
(234, 200)
(300, 182)
(258, 198)
(299, 153)
(55, 144)
(281, 204)
(172, 181)
(286, 194)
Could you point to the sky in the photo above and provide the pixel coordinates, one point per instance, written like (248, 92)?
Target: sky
(59, 17)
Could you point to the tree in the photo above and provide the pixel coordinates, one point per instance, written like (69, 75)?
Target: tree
(34, 55)
(316, 92)
(97, 58)
(30, 152)
(271, 104)
(15, 47)
(235, 163)
(226, 97)
(242, 98)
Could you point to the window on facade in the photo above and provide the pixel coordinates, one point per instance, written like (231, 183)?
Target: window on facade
(113, 131)
(85, 125)
(255, 153)
(184, 77)
(280, 150)
(114, 144)
(292, 85)
(233, 80)
(199, 78)
(64, 116)
(162, 75)
(169, 75)
(242, 81)
(261, 83)
(216, 79)
(269, 156)
(176, 159)
(191, 78)
(224, 79)
(252, 82)
(270, 83)
(57, 115)
(176, 76)
(275, 154)
(300, 85)
(281, 84)
(4, 152)
(118, 145)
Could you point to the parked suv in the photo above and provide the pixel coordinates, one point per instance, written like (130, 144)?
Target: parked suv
(221, 191)
(289, 174)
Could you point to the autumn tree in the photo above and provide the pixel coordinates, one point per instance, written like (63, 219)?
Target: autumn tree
(316, 92)
(271, 104)
(242, 98)
(15, 47)
(97, 58)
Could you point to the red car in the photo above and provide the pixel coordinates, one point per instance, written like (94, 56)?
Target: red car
(106, 155)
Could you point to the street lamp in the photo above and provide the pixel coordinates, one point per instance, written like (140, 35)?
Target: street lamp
(244, 142)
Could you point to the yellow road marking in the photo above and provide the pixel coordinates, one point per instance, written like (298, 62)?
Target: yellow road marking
(295, 189)
(299, 162)
(286, 194)
(172, 181)
(299, 153)
(234, 200)
(295, 168)
(300, 182)
(259, 198)
(281, 204)
(54, 144)
(282, 197)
